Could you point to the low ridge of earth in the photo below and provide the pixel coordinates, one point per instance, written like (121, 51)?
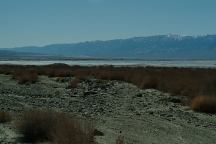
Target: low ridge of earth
(142, 116)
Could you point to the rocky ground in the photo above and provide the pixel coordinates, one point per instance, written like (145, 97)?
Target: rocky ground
(142, 116)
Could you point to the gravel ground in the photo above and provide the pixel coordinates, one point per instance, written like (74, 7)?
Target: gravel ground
(142, 116)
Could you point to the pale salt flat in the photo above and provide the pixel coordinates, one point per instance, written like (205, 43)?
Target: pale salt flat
(168, 63)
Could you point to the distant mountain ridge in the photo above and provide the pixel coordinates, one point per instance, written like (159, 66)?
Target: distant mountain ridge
(13, 55)
(9, 53)
(151, 47)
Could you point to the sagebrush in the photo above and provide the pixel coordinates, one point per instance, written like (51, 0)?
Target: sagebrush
(49, 126)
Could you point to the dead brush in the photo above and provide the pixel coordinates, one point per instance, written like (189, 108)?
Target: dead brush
(120, 139)
(58, 72)
(5, 117)
(48, 126)
(205, 104)
(26, 76)
(74, 83)
(188, 82)
(150, 83)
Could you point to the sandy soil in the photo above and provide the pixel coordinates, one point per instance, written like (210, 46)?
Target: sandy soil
(143, 116)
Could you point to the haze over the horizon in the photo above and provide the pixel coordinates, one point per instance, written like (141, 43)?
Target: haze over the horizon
(42, 22)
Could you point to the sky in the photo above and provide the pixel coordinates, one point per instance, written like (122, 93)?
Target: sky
(43, 22)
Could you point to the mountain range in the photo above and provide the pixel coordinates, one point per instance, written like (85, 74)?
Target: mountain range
(151, 47)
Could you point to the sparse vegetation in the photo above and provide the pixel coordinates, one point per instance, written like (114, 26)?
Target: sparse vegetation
(5, 117)
(120, 139)
(55, 127)
(25, 76)
(205, 104)
(74, 83)
(177, 81)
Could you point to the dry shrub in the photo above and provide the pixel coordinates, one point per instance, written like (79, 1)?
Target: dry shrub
(4, 117)
(205, 104)
(55, 127)
(56, 70)
(210, 86)
(74, 83)
(26, 76)
(150, 83)
(120, 139)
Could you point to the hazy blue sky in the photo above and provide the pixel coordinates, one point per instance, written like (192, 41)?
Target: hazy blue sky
(41, 22)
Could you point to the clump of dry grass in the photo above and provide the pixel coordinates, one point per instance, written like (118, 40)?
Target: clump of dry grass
(55, 127)
(5, 117)
(36, 125)
(205, 104)
(74, 131)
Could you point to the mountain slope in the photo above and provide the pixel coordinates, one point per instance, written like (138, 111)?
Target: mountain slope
(9, 53)
(14, 55)
(153, 47)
